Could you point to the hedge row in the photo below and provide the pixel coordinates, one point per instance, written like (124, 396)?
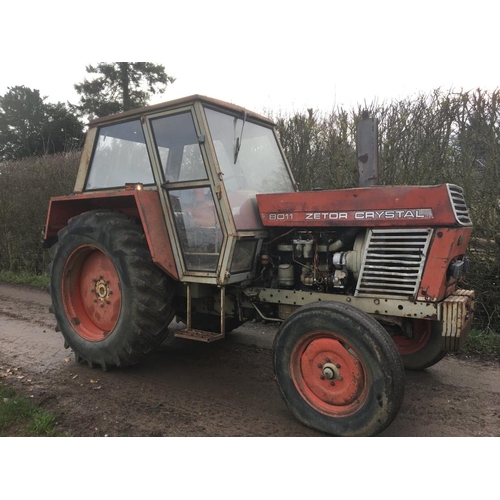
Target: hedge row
(427, 139)
(25, 189)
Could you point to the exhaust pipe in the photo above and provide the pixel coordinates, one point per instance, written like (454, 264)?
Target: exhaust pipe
(367, 146)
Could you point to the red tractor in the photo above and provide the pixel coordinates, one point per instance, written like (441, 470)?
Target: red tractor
(189, 209)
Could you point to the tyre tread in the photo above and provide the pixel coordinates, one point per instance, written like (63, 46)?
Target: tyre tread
(153, 293)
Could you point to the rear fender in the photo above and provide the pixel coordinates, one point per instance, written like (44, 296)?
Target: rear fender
(142, 204)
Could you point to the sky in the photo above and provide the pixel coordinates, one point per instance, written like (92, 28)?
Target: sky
(268, 56)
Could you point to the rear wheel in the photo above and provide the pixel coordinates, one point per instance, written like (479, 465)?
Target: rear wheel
(338, 370)
(424, 348)
(112, 304)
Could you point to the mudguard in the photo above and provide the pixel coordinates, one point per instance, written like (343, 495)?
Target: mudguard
(143, 204)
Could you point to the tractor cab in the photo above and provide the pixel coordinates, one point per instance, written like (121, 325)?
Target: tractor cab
(207, 160)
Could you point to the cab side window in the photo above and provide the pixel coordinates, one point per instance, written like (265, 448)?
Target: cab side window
(178, 148)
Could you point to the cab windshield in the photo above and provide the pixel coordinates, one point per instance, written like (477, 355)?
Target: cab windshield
(251, 161)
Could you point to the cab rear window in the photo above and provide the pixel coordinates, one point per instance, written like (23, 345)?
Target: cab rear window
(120, 157)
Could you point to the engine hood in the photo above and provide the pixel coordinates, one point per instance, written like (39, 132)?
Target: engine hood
(384, 206)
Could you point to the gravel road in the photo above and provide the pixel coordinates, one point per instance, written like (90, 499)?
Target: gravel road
(222, 389)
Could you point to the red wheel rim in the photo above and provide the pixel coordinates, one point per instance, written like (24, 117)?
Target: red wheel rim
(91, 293)
(421, 335)
(329, 374)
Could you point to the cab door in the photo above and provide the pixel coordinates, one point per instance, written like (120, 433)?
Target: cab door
(187, 189)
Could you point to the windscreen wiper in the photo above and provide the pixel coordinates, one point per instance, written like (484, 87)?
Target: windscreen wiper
(237, 144)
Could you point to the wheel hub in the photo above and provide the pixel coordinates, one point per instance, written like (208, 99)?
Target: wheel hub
(101, 290)
(330, 371)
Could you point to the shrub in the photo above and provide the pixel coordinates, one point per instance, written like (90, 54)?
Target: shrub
(25, 189)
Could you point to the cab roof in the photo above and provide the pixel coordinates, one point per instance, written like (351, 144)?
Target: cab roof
(164, 106)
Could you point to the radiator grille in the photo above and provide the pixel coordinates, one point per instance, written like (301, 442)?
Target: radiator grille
(457, 199)
(393, 262)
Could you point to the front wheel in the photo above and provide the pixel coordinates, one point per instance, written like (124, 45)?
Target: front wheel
(338, 370)
(112, 304)
(425, 348)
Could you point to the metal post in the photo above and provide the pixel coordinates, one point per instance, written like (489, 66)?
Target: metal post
(367, 145)
(188, 306)
(223, 310)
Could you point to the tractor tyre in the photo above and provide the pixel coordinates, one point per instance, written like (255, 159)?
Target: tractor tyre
(111, 303)
(424, 349)
(338, 370)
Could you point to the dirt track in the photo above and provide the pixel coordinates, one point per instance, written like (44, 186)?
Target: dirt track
(222, 389)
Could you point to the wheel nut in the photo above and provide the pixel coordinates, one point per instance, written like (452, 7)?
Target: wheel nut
(332, 383)
(322, 377)
(328, 360)
(337, 365)
(101, 304)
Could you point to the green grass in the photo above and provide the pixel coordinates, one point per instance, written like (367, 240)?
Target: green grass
(38, 281)
(482, 343)
(19, 417)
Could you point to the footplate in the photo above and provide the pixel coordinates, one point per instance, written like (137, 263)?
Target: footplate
(199, 335)
(457, 314)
